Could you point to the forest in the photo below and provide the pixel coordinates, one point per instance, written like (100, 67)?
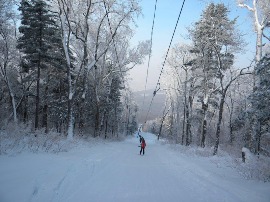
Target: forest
(64, 66)
(210, 101)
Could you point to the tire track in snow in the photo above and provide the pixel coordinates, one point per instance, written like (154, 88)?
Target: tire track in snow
(83, 170)
(38, 186)
(61, 189)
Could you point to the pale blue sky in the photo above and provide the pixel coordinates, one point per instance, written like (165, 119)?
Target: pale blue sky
(166, 16)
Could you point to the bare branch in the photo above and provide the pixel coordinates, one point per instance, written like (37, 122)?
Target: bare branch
(266, 37)
(246, 6)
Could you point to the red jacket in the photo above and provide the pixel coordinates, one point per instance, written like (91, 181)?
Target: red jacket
(143, 144)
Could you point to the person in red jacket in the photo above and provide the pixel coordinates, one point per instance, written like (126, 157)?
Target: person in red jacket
(143, 145)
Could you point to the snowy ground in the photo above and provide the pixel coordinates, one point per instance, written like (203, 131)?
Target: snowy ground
(115, 172)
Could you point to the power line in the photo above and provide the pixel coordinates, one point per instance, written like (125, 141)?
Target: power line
(158, 82)
(151, 42)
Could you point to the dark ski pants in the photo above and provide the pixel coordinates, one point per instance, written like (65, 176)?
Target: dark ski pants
(142, 151)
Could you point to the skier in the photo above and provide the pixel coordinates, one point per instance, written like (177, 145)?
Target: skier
(143, 145)
(138, 134)
(140, 138)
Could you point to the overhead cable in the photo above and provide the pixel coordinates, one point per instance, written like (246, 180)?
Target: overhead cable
(151, 42)
(157, 88)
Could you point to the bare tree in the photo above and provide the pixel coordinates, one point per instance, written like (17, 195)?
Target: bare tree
(261, 20)
(261, 16)
(223, 91)
(85, 25)
(8, 51)
(181, 63)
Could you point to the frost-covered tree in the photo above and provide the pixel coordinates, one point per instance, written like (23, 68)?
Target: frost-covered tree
(127, 111)
(182, 87)
(260, 100)
(261, 20)
(215, 43)
(8, 58)
(113, 107)
(212, 34)
(40, 43)
(260, 11)
(98, 32)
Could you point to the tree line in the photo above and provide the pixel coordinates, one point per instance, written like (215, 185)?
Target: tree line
(211, 100)
(64, 65)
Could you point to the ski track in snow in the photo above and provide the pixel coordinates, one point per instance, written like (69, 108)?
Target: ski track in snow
(115, 172)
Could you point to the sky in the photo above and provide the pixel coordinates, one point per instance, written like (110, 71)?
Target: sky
(166, 16)
(103, 171)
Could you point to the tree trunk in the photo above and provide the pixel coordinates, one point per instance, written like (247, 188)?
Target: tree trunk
(106, 127)
(185, 132)
(162, 120)
(220, 113)
(37, 96)
(230, 126)
(45, 118)
(12, 99)
(81, 117)
(190, 106)
(6, 77)
(204, 124)
(96, 132)
(127, 126)
(255, 124)
(113, 126)
(259, 43)
(70, 120)
(45, 111)
(187, 126)
(70, 132)
(160, 128)
(178, 122)
(190, 100)
(15, 119)
(25, 107)
(183, 126)
(38, 74)
(258, 138)
(65, 41)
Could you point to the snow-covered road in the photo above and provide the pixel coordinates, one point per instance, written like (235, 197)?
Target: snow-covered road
(115, 172)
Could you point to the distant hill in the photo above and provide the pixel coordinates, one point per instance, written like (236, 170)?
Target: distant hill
(157, 107)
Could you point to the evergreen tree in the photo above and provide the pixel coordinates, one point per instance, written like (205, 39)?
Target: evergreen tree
(115, 104)
(215, 42)
(40, 42)
(260, 100)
